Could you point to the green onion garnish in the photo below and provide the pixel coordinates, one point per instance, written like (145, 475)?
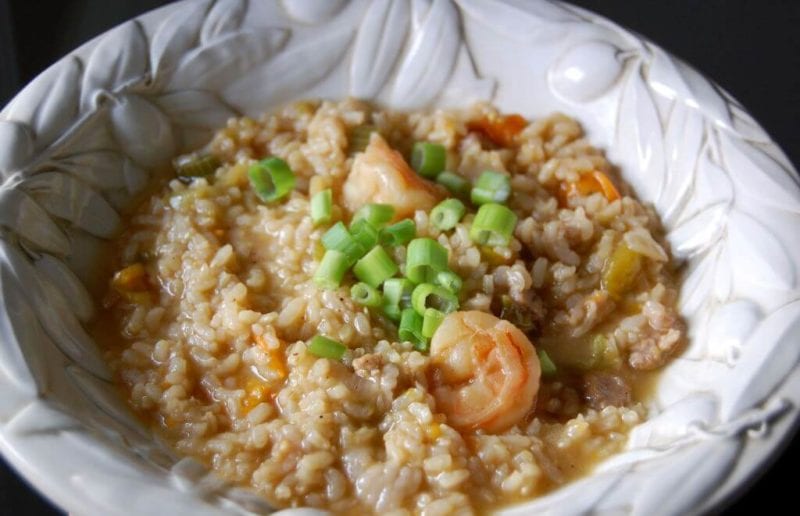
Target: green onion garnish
(359, 138)
(194, 165)
(396, 296)
(431, 321)
(457, 185)
(392, 311)
(397, 291)
(449, 280)
(271, 179)
(493, 225)
(331, 270)
(424, 258)
(375, 267)
(447, 214)
(366, 295)
(410, 329)
(376, 214)
(324, 347)
(364, 233)
(428, 159)
(399, 233)
(491, 187)
(428, 295)
(322, 207)
(337, 238)
(547, 365)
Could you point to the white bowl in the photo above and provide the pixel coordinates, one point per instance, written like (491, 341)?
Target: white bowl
(80, 140)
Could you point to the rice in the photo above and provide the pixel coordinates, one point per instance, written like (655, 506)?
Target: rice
(216, 359)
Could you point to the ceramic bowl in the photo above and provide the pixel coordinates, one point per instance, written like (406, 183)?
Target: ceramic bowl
(82, 139)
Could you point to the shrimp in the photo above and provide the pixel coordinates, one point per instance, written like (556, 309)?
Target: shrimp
(381, 175)
(485, 372)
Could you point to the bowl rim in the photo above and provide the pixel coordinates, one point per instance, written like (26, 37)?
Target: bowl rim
(783, 428)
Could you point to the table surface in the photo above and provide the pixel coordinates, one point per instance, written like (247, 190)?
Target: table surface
(752, 49)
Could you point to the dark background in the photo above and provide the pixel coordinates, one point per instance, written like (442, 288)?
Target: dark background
(752, 49)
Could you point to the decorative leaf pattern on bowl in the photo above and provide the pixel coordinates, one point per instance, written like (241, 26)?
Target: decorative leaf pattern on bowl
(81, 140)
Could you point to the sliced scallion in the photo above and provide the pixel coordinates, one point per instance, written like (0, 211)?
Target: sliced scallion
(447, 214)
(271, 179)
(493, 225)
(424, 258)
(491, 187)
(410, 329)
(431, 321)
(396, 296)
(546, 363)
(375, 267)
(399, 233)
(456, 184)
(366, 295)
(392, 311)
(397, 291)
(376, 214)
(324, 347)
(364, 233)
(194, 165)
(449, 280)
(331, 270)
(322, 207)
(338, 238)
(428, 295)
(428, 159)
(359, 138)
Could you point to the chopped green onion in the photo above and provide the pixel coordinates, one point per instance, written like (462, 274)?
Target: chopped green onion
(392, 311)
(493, 225)
(376, 214)
(271, 179)
(337, 238)
(375, 267)
(410, 329)
(449, 280)
(399, 233)
(547, 365)
(447, 214)
(491, 187)
(359, 138)
(456, 184)
(366, 295)
(331, 270)
(424, 258)
(431, 321)
(397, 292)
(428, 159)
(322, 207)
(428, 295)
(396, 296)
(364, 233)
(324, 347)
(195, 164)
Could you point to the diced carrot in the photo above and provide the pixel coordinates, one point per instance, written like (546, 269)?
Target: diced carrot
(274, 357)
(255, 392)
(589, 183)
(132, 278)
(596, 181)
(501, 130)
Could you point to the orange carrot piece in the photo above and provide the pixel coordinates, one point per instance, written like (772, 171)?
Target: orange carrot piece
(501, 130)
(589, 183)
